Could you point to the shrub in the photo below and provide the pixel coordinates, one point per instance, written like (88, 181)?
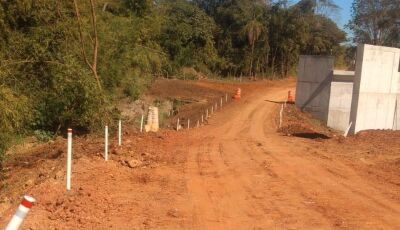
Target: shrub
(15, 113)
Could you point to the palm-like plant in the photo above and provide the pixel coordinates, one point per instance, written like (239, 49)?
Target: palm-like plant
(253, 30)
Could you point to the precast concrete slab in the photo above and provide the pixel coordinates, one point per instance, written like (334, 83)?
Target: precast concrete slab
(376, 87)
(313, 85)
(340, 99)
(340, 105)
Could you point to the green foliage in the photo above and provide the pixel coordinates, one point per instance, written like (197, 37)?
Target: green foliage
(15, 113)
(376, 22)
(47, 85)
(187, 36)
(43, 135)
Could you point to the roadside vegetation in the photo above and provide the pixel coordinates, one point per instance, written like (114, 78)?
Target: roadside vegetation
(64, 63)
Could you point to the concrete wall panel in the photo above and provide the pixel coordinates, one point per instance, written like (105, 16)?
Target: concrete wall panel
(313, 85)
(340, 105)
(375, 89)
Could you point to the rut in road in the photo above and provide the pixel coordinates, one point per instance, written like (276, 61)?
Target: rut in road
(241, 174)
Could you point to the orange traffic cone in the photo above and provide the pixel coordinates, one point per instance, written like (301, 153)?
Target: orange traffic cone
(290, 97)
(238, 94)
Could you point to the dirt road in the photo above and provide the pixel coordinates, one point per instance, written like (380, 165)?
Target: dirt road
(242, 175)
(235, 173)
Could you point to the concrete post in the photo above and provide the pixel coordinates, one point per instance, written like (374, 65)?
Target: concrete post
(280, 117)
(119, 132)
(69, 159)
(106, 143)
(141, 124)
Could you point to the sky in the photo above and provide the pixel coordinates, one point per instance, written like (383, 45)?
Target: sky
(344, 14)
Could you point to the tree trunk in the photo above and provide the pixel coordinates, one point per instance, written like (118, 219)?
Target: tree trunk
(251, 58)
(92, 66)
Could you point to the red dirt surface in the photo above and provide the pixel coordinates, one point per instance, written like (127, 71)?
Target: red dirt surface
(237, 172)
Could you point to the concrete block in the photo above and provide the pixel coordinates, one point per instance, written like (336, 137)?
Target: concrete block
(152, 120)
(376, 87)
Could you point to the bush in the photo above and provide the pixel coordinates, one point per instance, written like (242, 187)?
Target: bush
(15, 113)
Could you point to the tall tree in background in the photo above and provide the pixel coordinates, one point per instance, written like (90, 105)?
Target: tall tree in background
(95, 40)
(253, 31)
(376, 22)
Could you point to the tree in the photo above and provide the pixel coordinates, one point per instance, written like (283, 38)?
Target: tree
(376, 22)
(188, 36)
(253, 31)
(95, 40)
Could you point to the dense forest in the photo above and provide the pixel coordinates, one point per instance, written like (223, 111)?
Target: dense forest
(63, 63)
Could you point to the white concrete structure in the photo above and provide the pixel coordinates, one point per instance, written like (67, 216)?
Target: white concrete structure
(341, 93)
(368, 98)
(376, 88)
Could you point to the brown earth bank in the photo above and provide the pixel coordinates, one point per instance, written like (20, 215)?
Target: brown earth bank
(236, 172)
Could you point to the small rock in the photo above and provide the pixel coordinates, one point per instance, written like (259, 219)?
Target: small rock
(116, 151)
(41, 175)
(29, 182)
(59, 175)
(173, 213)
(59, 202)
(134, 163)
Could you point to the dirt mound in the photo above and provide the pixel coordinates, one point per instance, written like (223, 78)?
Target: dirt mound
(377, 136)
(299, 124)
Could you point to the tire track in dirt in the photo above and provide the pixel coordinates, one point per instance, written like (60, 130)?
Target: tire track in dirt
(280, 179)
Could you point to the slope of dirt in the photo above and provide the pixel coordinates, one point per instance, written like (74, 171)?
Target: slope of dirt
(300, 124)
(191, 99)
(235, 172)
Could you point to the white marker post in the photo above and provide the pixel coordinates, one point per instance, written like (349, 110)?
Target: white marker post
(141, 124)
(280, 117)
(106, 143)
(226, 97)
(120, 133)
(177, 125)
(69, 159)
(22, 211)
(348, 130)
(188, 126)
(206, 113)
(202, 118)
(221, 103)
